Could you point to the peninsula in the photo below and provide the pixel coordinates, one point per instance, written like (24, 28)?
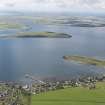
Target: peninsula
(38, 35)
(85, 60)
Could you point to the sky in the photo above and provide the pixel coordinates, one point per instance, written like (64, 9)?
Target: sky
(53, 5)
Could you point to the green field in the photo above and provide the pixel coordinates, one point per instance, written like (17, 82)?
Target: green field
(72, 96)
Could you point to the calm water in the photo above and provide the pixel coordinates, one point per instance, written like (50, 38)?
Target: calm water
(43, 56)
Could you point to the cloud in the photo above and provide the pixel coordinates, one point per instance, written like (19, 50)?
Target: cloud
(53, 5)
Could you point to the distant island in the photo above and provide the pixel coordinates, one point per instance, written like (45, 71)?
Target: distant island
(74, 21)
(39, 35)
(86, 60)
(5, 26)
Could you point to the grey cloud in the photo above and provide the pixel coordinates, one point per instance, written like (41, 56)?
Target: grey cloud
(90, 1)
(53, 4)
(9, 4)
(41, 1)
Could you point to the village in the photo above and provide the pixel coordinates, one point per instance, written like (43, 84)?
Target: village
(39, 86)
(11, 94)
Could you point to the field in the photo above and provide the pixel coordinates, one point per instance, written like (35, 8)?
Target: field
(72, 96)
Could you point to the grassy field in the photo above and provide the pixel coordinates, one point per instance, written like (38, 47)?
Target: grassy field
(85, 60)
(72, 96)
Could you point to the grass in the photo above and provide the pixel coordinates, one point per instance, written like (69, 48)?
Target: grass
(72, 96)
(86, 60)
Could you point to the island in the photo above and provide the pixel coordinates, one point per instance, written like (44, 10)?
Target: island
(86, 60)
(74, 21)
(5, 26)
(44, 34)
(38, 35)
